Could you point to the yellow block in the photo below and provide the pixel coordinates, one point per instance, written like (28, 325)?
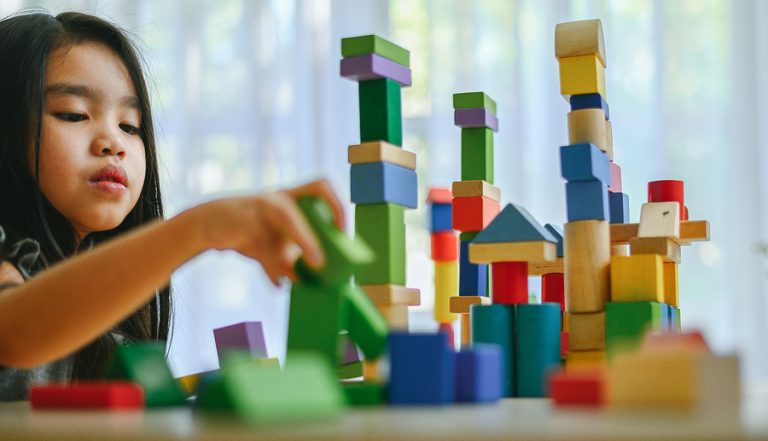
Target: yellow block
(566, 322)
(581, 75)
(189, 383)
(638, 278)
(371, 371)
(446, 286)
(466, 334)
(671, 284)
(581, 360)
(586, 331)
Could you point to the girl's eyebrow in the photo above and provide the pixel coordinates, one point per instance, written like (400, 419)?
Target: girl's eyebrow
(89, 92)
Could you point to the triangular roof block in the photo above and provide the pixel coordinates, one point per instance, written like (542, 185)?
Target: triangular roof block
(557, 232)
(514, 224)
(439, 195)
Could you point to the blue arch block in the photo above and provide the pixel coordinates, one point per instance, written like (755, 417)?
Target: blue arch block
(383, 183)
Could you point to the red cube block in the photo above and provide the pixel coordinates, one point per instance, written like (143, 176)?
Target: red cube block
(445, 246)
(473, 213)
(510, 282)
(553, 289)
(116, 395)
(668, 191)
(584, 388)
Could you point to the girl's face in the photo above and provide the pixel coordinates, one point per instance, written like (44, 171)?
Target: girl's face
(92, 160)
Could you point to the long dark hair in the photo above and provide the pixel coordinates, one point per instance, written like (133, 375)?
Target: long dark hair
(26, 41)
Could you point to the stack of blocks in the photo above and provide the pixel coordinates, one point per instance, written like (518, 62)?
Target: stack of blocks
(444, 251)
(383, 174)
(475, 198)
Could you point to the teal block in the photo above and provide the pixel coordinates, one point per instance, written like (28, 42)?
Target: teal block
(380, 111)
(514, 224)
(495, 324)
(382, 227)
(144, 363)
(537, 334)
(557, 233)
(317, 314)
(367, 327)
(626, 324)
(477, 154)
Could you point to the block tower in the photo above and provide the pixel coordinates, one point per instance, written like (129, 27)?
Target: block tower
(475, 198)
(445, 254)
(383, 174)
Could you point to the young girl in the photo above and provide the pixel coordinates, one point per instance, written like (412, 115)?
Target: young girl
(85, 255)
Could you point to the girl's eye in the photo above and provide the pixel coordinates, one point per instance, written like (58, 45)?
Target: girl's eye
(71, 117)
(129, 129)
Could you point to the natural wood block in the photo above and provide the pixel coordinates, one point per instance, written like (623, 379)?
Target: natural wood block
(587, 331)
(660, 219)
(609, 139)
(620, 249)
(461, 304)
(581, 75)
(541, 268)
(466, 330)
(690, 231)
(380, 151)
(539, 251)
(388, 294)
(446, 287)
(586, 360)
(637, 278)
(666, 248)
(582, 37)
(396, 316)
(587, 265)
(462, 189)
(587, 126)
(671, 284)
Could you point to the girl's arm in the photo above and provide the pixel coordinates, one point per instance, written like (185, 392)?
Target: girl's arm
(65, 307)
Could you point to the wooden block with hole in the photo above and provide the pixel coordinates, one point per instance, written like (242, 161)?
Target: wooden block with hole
(660, 219)
(585, 360)
(637, 278)
(690, 231)
(666, 248)
(587, 126)
(587, 265)
(671, 284)
(582, 37)
(461, 304)
(587, 331)
(389, 294)
(463, 189)
(381, 151)
(446, 287)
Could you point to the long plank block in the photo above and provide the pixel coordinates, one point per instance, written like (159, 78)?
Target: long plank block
(380, 111)
(373, 44)
(115, 395)
(538, 251)
(587, 266)
(668, 249)
(380, 151)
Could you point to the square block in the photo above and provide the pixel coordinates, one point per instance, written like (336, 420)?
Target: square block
(380, 111)
(422, 369)
(587, 331)
(469, 100)
(475, 118)
(473, 278)
(445, 246)
(383, 183)
(462, 304)
(638, 278)
(461, 189)
(144, 363)
(113, 395)
(666, 248)
(380, 151)
(373, 44)
(671, 284)
(581, 37)
(553, 289)
(587, 200)
(580, 388)
(619, 207)
(615, 178)
(440, 218)
(495, 324)
(477, 155)
(660, 219)
(584, 162)
(590, 101)
(382, 227)
(479, 374)
(373, 67)
(580, 361)
(446, 288)
(245, 336)
(537, 334)
(323, 307)
(473, 213)
(588, 126)
(509, 282)
(581, 75)
(626, 324)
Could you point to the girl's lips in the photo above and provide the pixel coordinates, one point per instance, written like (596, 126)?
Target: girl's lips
(110, 187)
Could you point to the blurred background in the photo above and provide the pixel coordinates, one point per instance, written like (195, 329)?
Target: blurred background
(248, 98)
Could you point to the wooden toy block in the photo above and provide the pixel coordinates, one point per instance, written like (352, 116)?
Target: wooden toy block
(144, 363)
(348, 349)
(475, 118)
(350, 370)
(473, 213)
(557, 233)
(466, 330)
(114, 395)
(360, 393)
(471, 100)
(590, 101)
(380, 111)
(566, 321)
(609, 139)
(565, 344)
(373, 67)
(367, 327)
(581, 75)
(620, 250)
(245, 336)
(685, 213)
(660, 219)
(396, 316)
(380, 151)
(372, 44)
(462, 304)
(472, 277)
(446, 287)
(479, 374)
(583, 37)
(537, 331)
(440, 218)
(587, 264)
(447, 330)
(327, 310)
(510, 282)
(690, 231)
(464, 189)
(668, 191)
(587, 200)
(579, 361)
(536, 252)
(468, 236)
(477, 155)
(587, 126)
(383, 183)
(615, 186)
(553, 289)
(239, 357)
(626, 324)
(671, 285)
(637, 278)
(584, 162)
(495, 324)
(422, 369)
(445, 246)
(587, 331)
(386, 295)
(439, 195)
(692, 342)
(618, 204)
(513, 236)
(666, 248)
(580, 388)
(382, 227)
(189, 383)
(541, 268)
(372, 371)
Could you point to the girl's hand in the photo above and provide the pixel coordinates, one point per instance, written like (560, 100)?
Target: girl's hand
(269, 227)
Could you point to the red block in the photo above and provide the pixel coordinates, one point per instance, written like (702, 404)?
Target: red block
(668, 191)
(439, 195)
(585, 388)
(87, 395)
(447, 329)
(565, 344)
(473, 213)
(685, 213)
(615, 186)
(445, 246)
(510, 282)
(553, 289)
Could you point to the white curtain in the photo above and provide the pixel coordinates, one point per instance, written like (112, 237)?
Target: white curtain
(248, 98)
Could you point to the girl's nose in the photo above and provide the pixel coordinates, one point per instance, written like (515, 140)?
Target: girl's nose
(107, 146)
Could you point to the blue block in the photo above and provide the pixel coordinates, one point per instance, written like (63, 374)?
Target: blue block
(495, 324)
(472, 277)
(479, 374)
(513, 224)
(584, 162)
(586, 200)
(674, 319)
(590, 101)
(383, 183)
(440, 218)
(557, 233)
(537, 339)
(422, 369)
(619, 203)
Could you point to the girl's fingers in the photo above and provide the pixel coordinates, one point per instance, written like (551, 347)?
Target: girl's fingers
(288, 219)
(323, 189)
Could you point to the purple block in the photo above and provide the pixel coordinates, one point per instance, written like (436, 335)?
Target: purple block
(245, 336)
(478, 374)
(351, 354)
(373, 67)
(478, 117)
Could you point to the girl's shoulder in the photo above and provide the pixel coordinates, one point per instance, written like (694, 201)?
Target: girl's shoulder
(20, 251)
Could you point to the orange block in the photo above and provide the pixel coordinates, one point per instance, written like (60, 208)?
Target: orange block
(445, 246)
(473, 213)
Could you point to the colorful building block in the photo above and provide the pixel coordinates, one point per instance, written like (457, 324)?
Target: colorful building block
(674, 319)
(667, 191)
(583, 37)
(144, 363)
(587, 265)
(479, 374)
(439, 195)
(114, 395)
(245, 336)
(462, 189)
(588, 126)
(462, 304)
(473, 278)
(668, 249)
(587, 331)
(360, 393)
(615, 186)
(477, 154)
(638, 278)
(553, 289)
(590, 101)
(660, 219)
(580, 388)
(671, 284)
(578, 361)
(367, 327)
(369, 67)
(475, 118)
(445, 246)
(422, 369)
(587, 200)
(382, 227)
(326, 308)
(509, 282)
(386, 295)
(513, 236)
(557, 233)
(380, 111)
(440, 218)
(584, 162)
(446, 287)
(470, 100)
(609, 139)
(380, 151)
(537, 332)
(580, 75)
(565, 344)
(473, 213)
(373, 44)
(619, 207)
(495, 324)
(383, 183)
(626, 324)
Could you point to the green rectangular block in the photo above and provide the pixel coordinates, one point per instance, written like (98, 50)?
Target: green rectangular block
(495, 324)
(316, 316)
(364, 394)
(626, 323)
(477, 154)
(144, 363)
(474, 100)
(373, 44)
(382, 227)
(537, 340)
(380, 111)
(350, 370)
(367, 327)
